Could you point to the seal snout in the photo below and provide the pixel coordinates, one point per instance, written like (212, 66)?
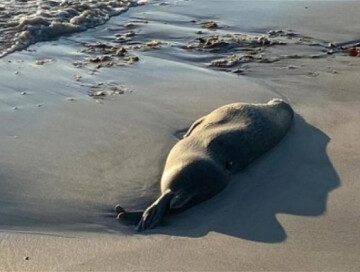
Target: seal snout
(276, 101)
(279, 102)
(282, 105)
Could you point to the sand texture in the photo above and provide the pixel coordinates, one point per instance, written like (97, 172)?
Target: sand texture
(88, 120)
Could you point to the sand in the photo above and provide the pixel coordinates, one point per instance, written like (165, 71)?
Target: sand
(68, 158)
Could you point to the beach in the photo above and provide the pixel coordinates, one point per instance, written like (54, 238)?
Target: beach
(89, 118)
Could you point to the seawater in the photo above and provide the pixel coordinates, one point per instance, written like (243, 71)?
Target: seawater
(25, 22)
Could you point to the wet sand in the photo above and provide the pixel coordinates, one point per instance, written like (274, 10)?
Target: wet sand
(68, 157)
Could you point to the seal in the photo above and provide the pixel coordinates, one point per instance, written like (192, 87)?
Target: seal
(216, 146)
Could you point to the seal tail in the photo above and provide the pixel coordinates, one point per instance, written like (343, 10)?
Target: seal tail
(153, 214)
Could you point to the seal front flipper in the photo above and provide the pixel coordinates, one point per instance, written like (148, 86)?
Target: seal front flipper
(193, 126)
(153, 215)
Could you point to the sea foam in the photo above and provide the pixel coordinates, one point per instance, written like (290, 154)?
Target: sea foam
(25, 22)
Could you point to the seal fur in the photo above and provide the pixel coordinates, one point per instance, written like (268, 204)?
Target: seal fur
(216, 146)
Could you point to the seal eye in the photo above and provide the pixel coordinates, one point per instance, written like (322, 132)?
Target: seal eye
(228, 165)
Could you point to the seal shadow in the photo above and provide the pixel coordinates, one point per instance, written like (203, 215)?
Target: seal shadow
(294, 178)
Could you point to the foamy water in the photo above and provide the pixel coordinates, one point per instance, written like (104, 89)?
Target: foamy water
(67, 162)
(24, 22)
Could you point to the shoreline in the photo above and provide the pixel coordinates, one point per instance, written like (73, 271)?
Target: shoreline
(71, 157)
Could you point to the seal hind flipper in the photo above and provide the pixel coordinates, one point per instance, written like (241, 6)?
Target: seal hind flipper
(129, 218)
(153, 214)
(180, 200)
(119, 209)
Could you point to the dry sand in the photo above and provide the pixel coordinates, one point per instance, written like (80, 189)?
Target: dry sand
(67, 158)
